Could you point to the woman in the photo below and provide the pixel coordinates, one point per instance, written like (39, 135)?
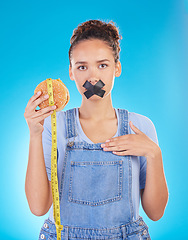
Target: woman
(107, 158)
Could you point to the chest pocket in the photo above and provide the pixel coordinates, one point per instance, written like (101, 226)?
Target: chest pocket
(96, 182)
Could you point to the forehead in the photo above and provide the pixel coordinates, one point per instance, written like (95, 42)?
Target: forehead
(91, 48)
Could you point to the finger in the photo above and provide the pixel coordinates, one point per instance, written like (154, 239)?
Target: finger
(117, 148)
(42, 117)
(32, 104)
(39, 100)
(114, 139)
(120, 141)
(33, 98)
(119, 138)
(122, 153)
(44, 111)
(134, 128)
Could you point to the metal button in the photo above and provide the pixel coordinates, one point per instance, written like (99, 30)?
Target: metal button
(144, 232)
(46, 225)
(70, 144)
(42, 236)
(141, 223)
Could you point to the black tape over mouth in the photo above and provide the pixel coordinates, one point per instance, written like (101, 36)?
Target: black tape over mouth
(94, 89)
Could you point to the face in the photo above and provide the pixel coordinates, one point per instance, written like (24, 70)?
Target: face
(93, 60)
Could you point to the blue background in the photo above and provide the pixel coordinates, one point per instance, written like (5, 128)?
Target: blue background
(35, 39)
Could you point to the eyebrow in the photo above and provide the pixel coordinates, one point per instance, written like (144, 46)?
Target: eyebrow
(97, 61)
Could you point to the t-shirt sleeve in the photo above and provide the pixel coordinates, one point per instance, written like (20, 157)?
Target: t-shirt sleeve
(47, 145)
(150, 131)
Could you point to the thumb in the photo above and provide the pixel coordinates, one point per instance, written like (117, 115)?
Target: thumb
(134, 128)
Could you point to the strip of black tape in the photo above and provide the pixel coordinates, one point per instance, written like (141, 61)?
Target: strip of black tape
(94, 89)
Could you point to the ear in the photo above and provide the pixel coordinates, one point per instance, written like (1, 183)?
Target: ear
(118, 69)
(70, 73)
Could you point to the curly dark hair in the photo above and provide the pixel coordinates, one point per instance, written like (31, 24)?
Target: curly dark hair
(96, 29)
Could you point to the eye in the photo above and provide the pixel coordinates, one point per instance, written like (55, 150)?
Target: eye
(80, 67)
(103, 65)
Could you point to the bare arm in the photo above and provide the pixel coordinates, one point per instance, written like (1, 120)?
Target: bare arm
(154, 196)
(37, 185)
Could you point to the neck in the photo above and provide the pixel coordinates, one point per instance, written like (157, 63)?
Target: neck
(97, 110)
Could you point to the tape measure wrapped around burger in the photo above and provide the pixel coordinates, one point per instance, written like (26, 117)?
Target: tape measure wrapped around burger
(59, 96)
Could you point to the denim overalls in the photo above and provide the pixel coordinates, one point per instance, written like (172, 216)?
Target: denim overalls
(95, 192)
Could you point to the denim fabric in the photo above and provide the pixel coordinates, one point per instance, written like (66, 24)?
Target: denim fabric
(139, 163)
(95, 191)
(137, 230)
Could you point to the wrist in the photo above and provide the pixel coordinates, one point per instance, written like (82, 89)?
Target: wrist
(154, 153)
(35, 136)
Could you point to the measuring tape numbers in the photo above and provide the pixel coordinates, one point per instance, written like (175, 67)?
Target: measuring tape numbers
(54, 179)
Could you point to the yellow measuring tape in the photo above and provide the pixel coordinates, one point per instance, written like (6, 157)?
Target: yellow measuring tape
(54, 179)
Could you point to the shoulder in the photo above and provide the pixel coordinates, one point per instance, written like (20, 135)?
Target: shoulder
(60, 118)
(140, 121)
(144, 124)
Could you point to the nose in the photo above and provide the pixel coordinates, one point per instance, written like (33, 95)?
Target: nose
(92, 81)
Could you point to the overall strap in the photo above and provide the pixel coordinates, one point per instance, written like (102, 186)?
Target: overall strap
(123, 118)
(71, 123)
